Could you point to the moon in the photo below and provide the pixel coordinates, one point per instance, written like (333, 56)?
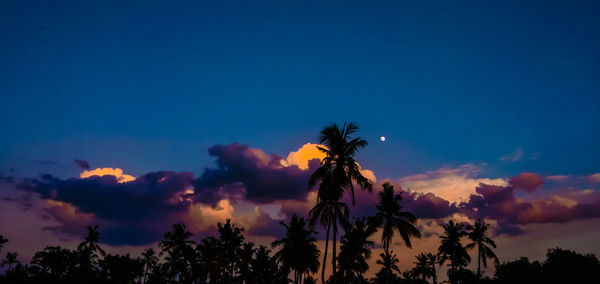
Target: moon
(382, 138)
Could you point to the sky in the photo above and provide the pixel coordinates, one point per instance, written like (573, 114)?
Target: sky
(214, 96)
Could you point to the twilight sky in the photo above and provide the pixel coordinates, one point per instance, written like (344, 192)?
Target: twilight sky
(197, 106)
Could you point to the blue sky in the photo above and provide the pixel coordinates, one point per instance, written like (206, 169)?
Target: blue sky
(145, 86)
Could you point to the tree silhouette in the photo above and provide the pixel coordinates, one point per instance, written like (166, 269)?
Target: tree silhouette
(355, 250)
(329, 210)
(478, 234)
(179, 248)
(566, 266)
(298, 251)
(149, 261)
(10, 260)
(391, 218)
(231, 240)
(451, 249)
(389, 263)
(432, 260)
(422, 269)
(519, 271)
(338, 172)
(2, 242)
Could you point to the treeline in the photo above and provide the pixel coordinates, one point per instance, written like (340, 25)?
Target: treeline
(229, 258)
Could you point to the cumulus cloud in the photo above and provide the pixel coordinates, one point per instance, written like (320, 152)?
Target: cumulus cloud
(149, 199)
(264, 177)
(452, 184)
(117, 173)
(527, 181)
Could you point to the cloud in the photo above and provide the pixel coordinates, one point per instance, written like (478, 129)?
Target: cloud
(595, 178)
(264, 178)
(305, 154)
(513, 156)
(84, 165)
(527, 181)
(499, 203)
(116, 172)
(137, 207)
(451, 184)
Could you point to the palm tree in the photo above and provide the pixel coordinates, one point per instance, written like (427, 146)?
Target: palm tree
(391, 218)
(355, 250)
(150, 260)
(338, 172)
(389, 263)
(11, 258)
(298, 251)
(329, 210)
(423, 267)
(478, 234)
(339, 164)
(230, 240)
(432, 260)
(91, 242)
(2, 242)
(451, 249)
(179, 247)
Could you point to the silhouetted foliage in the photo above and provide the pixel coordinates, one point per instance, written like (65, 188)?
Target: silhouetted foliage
(452, 250)
(391, 219)
(338, 172)
(519, 271)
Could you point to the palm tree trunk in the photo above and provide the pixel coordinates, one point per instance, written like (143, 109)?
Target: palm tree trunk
(325, 254)
(479, 266)
(434, 274)
(334, 241)
(145, 274)
(386, 247)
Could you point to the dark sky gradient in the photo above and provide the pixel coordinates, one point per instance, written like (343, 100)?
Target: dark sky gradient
(146, 86)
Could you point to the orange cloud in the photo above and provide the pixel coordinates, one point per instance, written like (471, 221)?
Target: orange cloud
(116, 172)
(301, 157)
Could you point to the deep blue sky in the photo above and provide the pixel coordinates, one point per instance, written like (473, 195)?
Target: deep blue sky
(150, 85)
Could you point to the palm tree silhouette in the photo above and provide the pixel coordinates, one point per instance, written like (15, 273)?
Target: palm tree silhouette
(355, 250)
(231, 240)
(423, 267)
(338, 172)
(389, 263)
(11, 258)
(329, 210)
(451, 249)
(478, 234)
(91, 242)
(179, 248)
(432, 260)
(298, 251)
(391, 218)
(149, 260)
(2, 242)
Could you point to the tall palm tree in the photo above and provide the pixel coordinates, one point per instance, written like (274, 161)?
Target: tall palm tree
(355, 250)
(451, 249)
(391, 218)
(338, 172)
(11, 258)
(150, 260)
(329, 210)
(339, 164)
(422, 267)
(2, 242)
(478, 234)
(298, 249)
